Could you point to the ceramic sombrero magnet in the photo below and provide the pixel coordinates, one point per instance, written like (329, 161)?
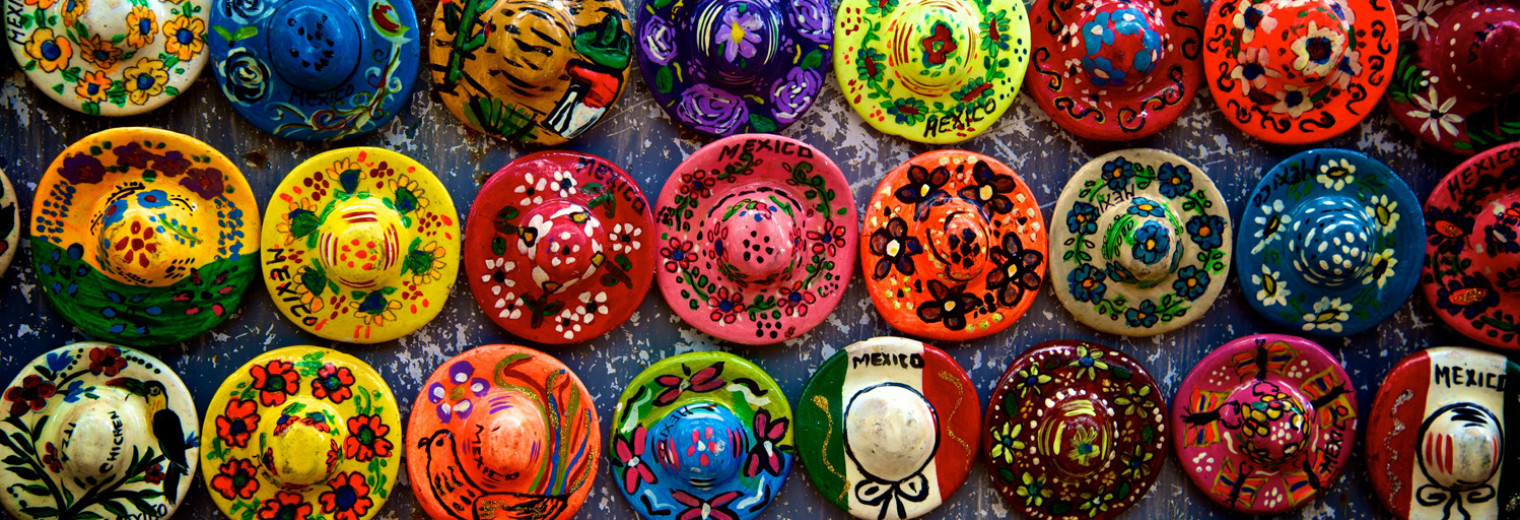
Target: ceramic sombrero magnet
(756, 235)
(1329, 243)
(725, 67)
(97, 429)
(1457, 80)
(530, 71)
(143, 236)
(953, 246)
(1472, 252)
(316, 70)
(1144, 243)
(502, 429)
(1115, 69)
(559, 247)
(888, 428)
(1299, 71)
(1265, 423)
(361, 245)
(112, 58)
(301, 433)
(10, 222)
(1441, 435)
(1074, 430)
(933, 71)
(701, 435)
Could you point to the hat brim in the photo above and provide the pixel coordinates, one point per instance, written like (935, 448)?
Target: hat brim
(1472, 301)
(115, 164)
(1424, 82)
(10, 222)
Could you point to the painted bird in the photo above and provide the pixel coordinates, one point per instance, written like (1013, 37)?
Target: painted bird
(445, 477)
(166, 426)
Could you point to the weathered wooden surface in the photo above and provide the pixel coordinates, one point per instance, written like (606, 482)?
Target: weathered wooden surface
(637, 135)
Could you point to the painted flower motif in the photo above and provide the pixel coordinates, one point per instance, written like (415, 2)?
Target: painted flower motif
(332, 383)
(630, 453)
(52, 459)
(206, 182)
(1207, 231)
(51, 52)
(237, 423)
(1117, 173)
(185, 37)
(907, 111)
(625, 237)
(106, 361)
(1087, 283)
(1292, 100)
(738, 34)
(828, 240)
(923, 189)
(678, 255)
(949, 305)
(1142, 316)
(1272, 221)
(1313, 51)
(591, 305)
(1136, 401)
(1418, 18)
(1509, 279)
(1096, 504)
(1151, 242)
(1175, 180)
(1272, 291)
(564, 184)
(1501, 239)
(995, 27)
(1081, 445)
(72, 10)
(1336, 174)
(237, 478)
(1191, 282)
(1349, 67)
(705, 380)
(1103, 71)
(284, 506)
(990, 189)
(92, 86)
(699, 509)
(1435, 115)
(1088, 362)
(1143, 207)
(1446, 229)
(1251, 17)
(99, 52)
(427, 263)
(794, 300)
(1329, 314)
(347, 497)
(1380, 269)
(275, 381)
(154, 474)
(976, 88)
(868, 64)
(1030, 380)
(246, 77)
(766, 455)
(455, 400)
(1385, 211)
(532, 189)
(792, 94)
(813, 19)
(1032, 489)
(568, 323)
(1469, 296)
(711, 110)
(1005, 442)
(142, 26)
(725, 305)
(1082, 219)
(1136, 462)
(896, 249)
(1253, 69)
(697, 184)
(366, 438)
(939, 45)
(659, 40)
(145, 79)
(1016, 272)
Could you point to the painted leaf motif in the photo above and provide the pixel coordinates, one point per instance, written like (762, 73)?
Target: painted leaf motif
(349, 180)
(303, 222)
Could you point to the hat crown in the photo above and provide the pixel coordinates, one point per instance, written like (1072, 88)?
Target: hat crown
(361, 247)
(567, 243)
(1480, 44)
(703, 442)
(314, 44)
(507, 436)
(1461, 446)
(301, 442)
(147, 237)
(934, 44)
(738, 40)
(757, 242)
(958, 238)
(891, 431)
(1332, 240)
(1304, 40)
(98, 435)
(1119, 42)
(1275, 422)
(522, 69)
(104, 18)
(1077, 434)
(1143, 242)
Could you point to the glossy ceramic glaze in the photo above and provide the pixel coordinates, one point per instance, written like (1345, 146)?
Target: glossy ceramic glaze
(10, 222)
(1438, 432)
(725, 67)
(933, 71)
(315, 70)
(97, 429)
(502, 431)
(113, 58)
(756, 236)
(1329, 243)
(1457, 80)
(1075, 430)
(701, 435)
(888, 428)
(1265, 423)
(1115, 69)
(953, 246)
(1472, 265)
(299, 432)
(530, 71)
(1143, 241)
(361, 246)
(143, 237)
(1299, 71)
(559, 247)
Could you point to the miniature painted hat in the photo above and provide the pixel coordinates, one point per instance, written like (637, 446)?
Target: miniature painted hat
(889, 428)
(361, 245)
(530, 71)
(110, 58)
(701, 435)
(953, 246)
(756, 238)
(495, 413)
(299, 432)
(1075, 430)
(1298, 71)
(1264, 423)
(160, 246)
(1458, 89)
(1441, 423)
(725, 67)
(10, 222)
(933, 71)
(1146, 243)
(316, 70)
(559, 247)
(97, 429)
(1116, 69)
(1330, 243)
(1472, 229)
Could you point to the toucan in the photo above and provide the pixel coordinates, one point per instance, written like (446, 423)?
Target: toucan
(166, 426)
